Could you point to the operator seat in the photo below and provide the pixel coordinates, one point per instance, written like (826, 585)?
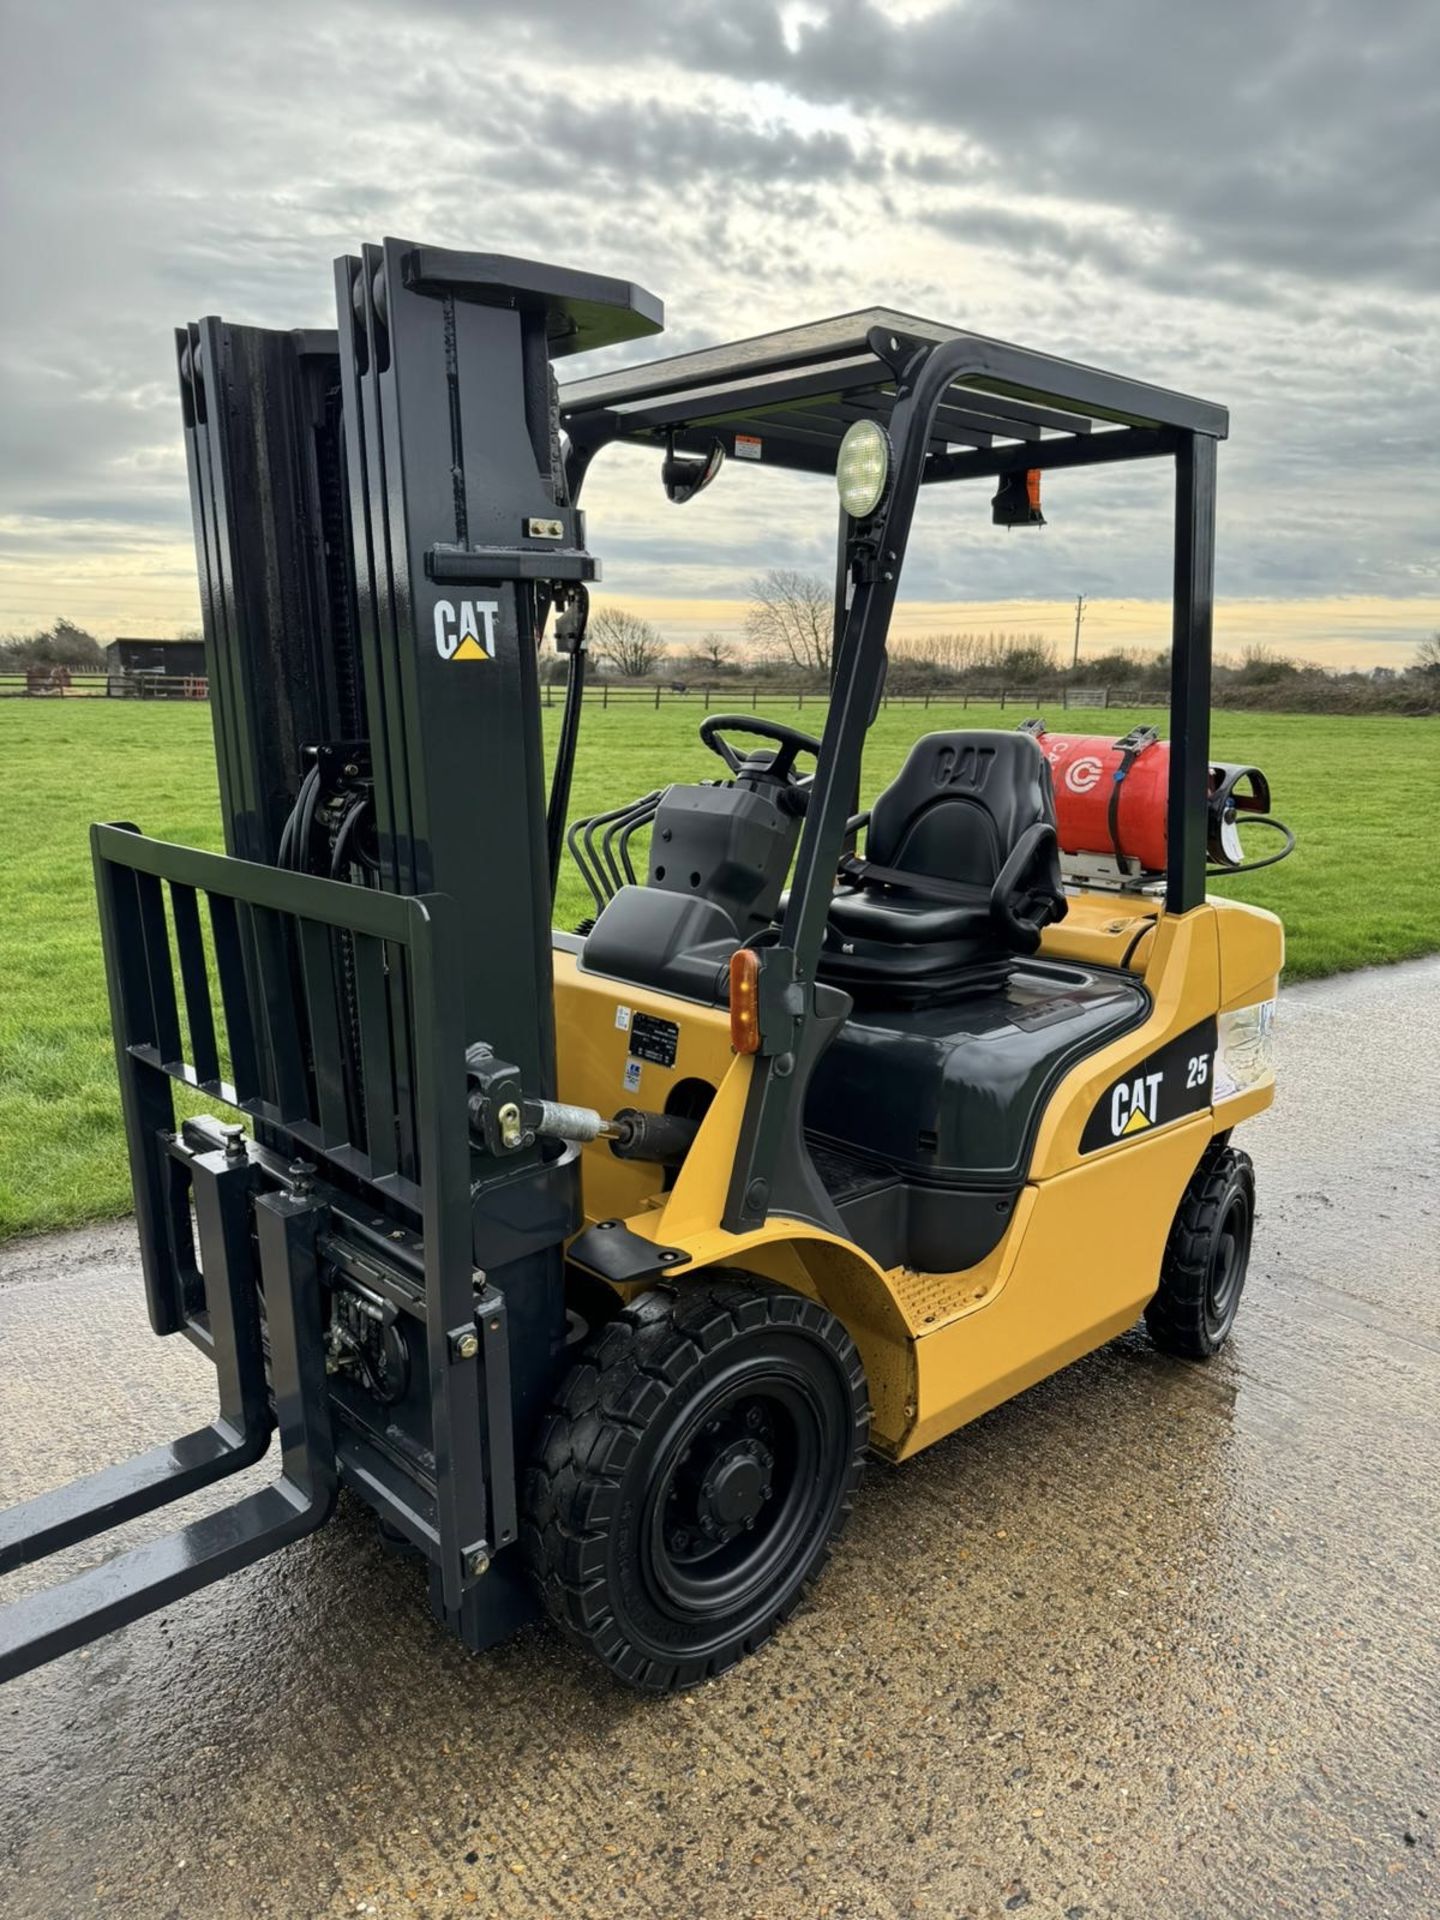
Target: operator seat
(960, 876)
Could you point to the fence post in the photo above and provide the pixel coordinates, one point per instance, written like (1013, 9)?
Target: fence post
(755, 699)
(1002, 699)
(1065, 699)
(605, 694)
(707, 699)
(657, 697)
(800, 698)
(1107, 699)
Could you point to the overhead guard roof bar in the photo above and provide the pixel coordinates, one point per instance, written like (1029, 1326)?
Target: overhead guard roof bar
(833, 370)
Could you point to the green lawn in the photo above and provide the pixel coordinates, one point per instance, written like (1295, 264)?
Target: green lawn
(1363, 794)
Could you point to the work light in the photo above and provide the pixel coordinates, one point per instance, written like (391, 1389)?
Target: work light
(862, 472)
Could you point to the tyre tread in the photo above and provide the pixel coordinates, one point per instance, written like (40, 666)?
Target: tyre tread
(570, 1489)
(1175, 1316)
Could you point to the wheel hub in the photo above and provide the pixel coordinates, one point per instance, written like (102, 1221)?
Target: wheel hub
(734, 1488)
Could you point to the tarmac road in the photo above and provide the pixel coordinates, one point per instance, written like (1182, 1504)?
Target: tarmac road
(1153, 1640)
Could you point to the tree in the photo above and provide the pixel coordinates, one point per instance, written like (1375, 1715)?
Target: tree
(712, 654)
(1027, 661)
(61, 644)
(628, 644)
(1259, 667)
(1427, 658)
(792, 615)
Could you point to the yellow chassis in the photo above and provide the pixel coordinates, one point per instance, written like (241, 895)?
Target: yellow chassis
(1082, 1253)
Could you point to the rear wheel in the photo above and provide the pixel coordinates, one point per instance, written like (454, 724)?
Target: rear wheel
(699, 1460)
(1203, 1274)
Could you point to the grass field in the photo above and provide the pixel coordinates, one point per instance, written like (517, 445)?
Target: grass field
(1363, 795)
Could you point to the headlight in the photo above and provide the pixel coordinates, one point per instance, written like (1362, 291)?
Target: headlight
(862, 471)
(1244, 1050)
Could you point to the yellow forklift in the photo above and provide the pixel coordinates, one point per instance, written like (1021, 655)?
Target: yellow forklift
(595, 1262)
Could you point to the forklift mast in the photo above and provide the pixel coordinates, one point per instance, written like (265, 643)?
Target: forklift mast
(382, 520)
(382, 526)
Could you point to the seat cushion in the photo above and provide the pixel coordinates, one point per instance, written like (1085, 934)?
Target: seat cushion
(908, 919)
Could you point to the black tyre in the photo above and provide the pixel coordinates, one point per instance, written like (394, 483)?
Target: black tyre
(595, 1303)
(699, 1460)
(1203, 1273)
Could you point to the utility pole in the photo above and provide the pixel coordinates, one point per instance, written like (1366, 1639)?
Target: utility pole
(1079, 616)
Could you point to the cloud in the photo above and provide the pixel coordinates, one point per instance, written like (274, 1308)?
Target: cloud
(1240, 199)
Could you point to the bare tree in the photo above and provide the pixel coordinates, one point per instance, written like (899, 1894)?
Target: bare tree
(712, 654)
(981, 658)
(792, 614)
(1427, 658)
(628, 644)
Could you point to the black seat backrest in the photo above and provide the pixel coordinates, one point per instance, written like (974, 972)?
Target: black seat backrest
(959, 804)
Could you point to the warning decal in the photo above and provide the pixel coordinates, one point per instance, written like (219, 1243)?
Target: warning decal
(1169, 1084)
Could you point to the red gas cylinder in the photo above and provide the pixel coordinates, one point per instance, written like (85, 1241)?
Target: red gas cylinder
(1111, 796)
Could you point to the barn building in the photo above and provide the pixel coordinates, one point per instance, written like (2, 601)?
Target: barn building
(185, 658)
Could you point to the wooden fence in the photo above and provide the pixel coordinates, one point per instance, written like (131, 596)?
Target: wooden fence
(42, 683)
(754, 694)
(52, 683)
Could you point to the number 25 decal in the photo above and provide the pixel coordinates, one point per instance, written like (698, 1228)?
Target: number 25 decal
(1170, 1083)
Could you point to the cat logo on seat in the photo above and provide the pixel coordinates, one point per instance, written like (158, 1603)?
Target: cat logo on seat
(468, 634)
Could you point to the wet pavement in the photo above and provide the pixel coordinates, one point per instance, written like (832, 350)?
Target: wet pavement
(1153, 1640)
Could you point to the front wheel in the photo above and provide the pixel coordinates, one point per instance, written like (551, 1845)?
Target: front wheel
(700, 1459)
(1203, 1273)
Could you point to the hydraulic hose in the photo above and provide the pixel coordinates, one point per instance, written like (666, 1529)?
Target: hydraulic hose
(1271, 859)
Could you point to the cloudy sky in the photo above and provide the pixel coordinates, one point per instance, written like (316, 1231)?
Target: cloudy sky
(1240, 199)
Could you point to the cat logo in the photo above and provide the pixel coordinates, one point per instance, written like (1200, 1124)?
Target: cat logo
(1167, 1085)
(468, 634)
(1135, 1104)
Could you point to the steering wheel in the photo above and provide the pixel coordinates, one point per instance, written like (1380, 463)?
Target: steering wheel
(789, 740)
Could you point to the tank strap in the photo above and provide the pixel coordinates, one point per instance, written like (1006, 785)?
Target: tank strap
(1129, 746)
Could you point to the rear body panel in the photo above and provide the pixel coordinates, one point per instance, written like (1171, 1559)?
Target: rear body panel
(1079, 1253)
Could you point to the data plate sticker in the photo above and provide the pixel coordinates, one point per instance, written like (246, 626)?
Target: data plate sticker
(1169, 1084)
(654, 1039)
